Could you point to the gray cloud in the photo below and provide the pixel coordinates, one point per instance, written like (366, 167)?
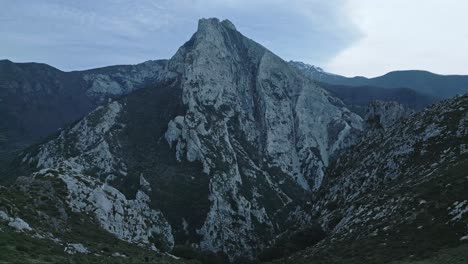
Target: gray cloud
(85, 34)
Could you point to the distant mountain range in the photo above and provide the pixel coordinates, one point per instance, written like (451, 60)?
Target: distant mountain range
(435, 85)
(358, 98)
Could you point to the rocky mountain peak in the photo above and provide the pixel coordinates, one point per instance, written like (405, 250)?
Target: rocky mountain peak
(214, 32)
(205, 23)
(248, 134)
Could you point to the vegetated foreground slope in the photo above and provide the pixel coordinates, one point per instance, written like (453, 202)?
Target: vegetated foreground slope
(400, 195)
(39, 224)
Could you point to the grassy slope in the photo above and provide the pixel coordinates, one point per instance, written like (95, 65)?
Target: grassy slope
(456, 255)
(22, 248)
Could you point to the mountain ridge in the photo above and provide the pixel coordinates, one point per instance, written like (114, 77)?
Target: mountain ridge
(37, 99)
(432, 84)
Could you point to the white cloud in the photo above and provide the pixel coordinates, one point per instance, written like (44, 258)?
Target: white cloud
(402, 34)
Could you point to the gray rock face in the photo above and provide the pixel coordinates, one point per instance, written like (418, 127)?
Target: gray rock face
(129, 220)
(381, 114)
(16, 223)
(120, 80)
(279, 111)
(240, 96)
(231, 119)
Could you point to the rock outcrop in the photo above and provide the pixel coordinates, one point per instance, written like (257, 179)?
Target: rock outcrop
(383, 115)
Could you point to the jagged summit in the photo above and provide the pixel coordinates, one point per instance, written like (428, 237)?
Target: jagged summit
(220, 39)
(213, 28)
(207, 22)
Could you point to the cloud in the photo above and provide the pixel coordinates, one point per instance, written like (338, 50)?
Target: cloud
(85, 34)
(402, 34)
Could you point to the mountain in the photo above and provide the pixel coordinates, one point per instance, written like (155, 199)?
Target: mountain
(357, 98)
(224, 149)
(37, 99)
(226, 153)
(399, 195)
(435, 85)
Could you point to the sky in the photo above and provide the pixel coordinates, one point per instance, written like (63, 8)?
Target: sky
(347, 37)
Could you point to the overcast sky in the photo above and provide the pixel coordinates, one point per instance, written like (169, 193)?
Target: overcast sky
(349, 37)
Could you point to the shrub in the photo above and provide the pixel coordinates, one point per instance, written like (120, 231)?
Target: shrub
(293, 242)
(205, 257)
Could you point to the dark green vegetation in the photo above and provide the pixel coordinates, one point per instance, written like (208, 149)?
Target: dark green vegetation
(291, 242)
(21, 248)
(429, 231)
(147, 153)
(456, 255)
(205, 257)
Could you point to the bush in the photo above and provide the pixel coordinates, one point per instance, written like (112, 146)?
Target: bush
(205, 257)
(22, 248)
(296, 241)
(185, 252)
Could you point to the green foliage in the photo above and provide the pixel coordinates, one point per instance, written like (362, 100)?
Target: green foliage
(293, 242)
(159, 242)
(456, 255)
(205, 257)
(22, 248)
